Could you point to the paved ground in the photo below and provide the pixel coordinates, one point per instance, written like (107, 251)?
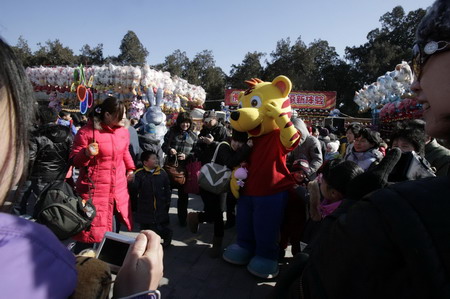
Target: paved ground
(189, 271)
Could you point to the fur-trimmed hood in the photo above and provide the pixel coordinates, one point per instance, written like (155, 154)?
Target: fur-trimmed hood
(97, 123)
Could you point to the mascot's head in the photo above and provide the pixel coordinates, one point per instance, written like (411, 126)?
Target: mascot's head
(251, 116)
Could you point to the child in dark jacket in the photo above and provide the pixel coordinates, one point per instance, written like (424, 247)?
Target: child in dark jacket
(153, 197)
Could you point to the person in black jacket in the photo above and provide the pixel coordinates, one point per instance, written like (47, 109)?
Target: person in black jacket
(179, 145)
(211, 134)
(153, 197)
(50, 146)
(394, 243)
(230, 155)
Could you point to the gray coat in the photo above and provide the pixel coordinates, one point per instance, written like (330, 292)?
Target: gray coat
(438, 156)
(308, 148)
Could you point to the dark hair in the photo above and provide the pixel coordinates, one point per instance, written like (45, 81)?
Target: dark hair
(338, 173)
(315, 129)
(324, 132)
(20, 98)
(64, 113)
(239, 136)
(113, 106)
(147, 154)
(412, 132)
(183, 117)
(372, 137)
(435, 25)
(355, 128)
(47, 115)
(76, 118)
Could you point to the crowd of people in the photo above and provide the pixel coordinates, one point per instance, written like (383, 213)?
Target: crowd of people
(371, 211)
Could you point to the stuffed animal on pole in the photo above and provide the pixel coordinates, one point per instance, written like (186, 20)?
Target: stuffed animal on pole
(265, 115)
(154, 114)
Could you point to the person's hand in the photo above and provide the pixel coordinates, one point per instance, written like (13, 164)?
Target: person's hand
(181, 156)
(143, 266)
(208, 139)
(130, 176)
(375, 178)
(172, 151)
(92, 149)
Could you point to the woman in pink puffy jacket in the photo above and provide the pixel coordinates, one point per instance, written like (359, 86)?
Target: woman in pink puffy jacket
(100, 151)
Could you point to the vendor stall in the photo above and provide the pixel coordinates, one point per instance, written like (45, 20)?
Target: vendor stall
(390, 99)
(79, 88)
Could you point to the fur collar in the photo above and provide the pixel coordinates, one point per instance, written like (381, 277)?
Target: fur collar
(97, 124)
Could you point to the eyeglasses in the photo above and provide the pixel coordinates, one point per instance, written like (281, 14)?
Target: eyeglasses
(420, 56)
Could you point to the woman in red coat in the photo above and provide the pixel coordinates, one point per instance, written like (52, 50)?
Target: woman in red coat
(100, 151)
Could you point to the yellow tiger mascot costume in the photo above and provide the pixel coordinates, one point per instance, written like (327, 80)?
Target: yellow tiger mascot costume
(264, 113)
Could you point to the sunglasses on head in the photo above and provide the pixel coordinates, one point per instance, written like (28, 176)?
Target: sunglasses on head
(420, 55)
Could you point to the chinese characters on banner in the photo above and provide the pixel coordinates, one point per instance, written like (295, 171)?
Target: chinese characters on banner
(299, 99)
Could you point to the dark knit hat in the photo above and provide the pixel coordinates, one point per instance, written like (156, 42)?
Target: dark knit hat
(324, 132)
(435, 26)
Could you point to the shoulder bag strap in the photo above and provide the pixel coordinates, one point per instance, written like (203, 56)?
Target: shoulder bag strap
(217, 150)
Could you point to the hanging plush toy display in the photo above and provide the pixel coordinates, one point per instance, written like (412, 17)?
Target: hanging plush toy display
(127, 83)
(388, 94)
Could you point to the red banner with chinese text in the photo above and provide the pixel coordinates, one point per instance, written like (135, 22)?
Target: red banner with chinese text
(299, 99)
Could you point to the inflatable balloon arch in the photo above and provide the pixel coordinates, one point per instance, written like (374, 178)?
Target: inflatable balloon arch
(389, 98)
(76, 89)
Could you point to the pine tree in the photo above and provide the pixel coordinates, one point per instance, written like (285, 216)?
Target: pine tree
(131, 50)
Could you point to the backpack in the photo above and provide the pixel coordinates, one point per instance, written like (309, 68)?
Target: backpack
(62, 211)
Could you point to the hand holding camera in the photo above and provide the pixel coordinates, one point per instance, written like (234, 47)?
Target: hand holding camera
(142, 268)
(207, 139)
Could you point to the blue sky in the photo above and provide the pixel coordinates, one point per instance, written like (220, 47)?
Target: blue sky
(229, 28)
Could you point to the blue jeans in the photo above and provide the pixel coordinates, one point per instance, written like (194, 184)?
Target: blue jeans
(27, 195)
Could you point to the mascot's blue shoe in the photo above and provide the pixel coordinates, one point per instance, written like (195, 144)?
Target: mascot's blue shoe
(263, 267)
(237, 255)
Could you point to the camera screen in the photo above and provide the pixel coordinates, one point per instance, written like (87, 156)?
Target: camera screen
(113, 252)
